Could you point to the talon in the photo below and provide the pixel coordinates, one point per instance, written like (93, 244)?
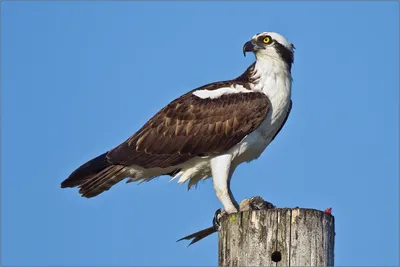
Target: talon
(219, 213)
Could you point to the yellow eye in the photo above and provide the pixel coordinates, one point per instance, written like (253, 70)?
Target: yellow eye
(267, 40)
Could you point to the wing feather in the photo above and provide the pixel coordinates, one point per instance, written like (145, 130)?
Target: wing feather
(191, 126)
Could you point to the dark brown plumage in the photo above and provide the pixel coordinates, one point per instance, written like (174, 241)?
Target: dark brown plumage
(187, 127)
(190, 126)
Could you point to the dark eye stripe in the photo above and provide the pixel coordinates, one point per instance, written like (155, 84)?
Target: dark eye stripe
(286, 54)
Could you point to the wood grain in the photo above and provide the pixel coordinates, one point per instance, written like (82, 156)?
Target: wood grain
(277, 237)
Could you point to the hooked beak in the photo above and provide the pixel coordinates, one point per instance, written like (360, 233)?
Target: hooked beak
(248, 47)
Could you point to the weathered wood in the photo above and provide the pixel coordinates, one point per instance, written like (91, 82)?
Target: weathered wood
(277, 237)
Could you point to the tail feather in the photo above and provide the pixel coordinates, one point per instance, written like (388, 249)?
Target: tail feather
(86, 171)
(95, 176)
(102, 181)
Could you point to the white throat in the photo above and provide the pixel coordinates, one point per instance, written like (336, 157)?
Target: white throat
(272, 76)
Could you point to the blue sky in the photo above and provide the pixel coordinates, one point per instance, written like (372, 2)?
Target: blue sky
(79, 78)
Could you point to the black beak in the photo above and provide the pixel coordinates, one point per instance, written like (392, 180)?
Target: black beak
(248, 47)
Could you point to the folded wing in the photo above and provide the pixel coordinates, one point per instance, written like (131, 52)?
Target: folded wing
(191, 126)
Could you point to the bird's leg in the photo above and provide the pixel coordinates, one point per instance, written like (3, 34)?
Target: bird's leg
(232, 169)
(221, 173)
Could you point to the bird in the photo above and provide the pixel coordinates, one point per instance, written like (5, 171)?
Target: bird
(206, 132)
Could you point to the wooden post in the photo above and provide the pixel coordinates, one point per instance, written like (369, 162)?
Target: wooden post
(277, 237)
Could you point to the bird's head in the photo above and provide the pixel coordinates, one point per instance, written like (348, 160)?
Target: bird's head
(270, 45)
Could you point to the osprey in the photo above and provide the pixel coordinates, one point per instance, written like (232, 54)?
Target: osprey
(206, 132)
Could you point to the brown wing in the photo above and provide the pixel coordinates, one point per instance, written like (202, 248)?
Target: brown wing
(190, 126)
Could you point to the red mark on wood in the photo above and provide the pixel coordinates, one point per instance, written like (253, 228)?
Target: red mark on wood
(328, 211)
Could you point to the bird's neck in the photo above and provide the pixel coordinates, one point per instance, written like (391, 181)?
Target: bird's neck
(272, 77)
